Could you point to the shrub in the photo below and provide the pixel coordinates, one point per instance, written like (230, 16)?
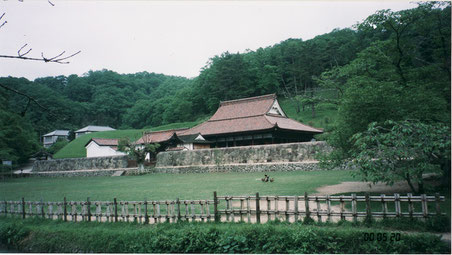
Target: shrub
(38, 235)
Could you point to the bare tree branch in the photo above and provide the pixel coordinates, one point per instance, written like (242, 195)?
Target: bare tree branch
(56, 59)
(4, 21)
(23, 54)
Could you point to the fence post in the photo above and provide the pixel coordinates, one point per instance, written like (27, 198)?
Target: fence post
(341, 199)
(146, 216)
(287, 209)
(258, 209)
(397, 204)
(354, 209)
(384, 205)
(319, 217)
(23, 208)
(328, 206)
(115, 203)
(410, 205)
(296, 208)
(65, 209)
(437, 201)
(368, 209)
(42, 208)
(178, 210)
(424, 205)
(306, 204)
(88, 205)
(215, 207)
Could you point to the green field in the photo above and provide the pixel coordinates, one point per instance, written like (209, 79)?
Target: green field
(76, 148)
(168, 186)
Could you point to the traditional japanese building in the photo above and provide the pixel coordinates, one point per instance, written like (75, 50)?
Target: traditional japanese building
(252, 121)
(166, 138)
(174, 140)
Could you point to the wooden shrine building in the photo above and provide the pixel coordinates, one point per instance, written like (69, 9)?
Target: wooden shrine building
(252, 121)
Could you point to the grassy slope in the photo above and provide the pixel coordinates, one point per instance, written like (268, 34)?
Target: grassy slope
(325, 115)
(76, 148)
(168, 186)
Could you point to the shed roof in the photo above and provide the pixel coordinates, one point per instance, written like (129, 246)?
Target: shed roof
(94, 129)
(58, 133)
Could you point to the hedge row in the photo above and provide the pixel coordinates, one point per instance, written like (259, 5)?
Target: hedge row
(38, 235)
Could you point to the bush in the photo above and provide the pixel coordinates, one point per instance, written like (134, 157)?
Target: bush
(38, 235)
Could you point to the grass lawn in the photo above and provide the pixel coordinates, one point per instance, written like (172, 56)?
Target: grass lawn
(76, 148)
(167, 186)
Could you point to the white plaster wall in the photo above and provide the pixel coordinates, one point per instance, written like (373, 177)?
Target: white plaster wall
(94, 150)
(276, 109)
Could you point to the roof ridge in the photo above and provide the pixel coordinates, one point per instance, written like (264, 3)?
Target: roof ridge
(167, 130)
(248, 99)
(243, 117)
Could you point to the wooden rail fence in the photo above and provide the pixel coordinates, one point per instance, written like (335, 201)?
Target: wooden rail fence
(256, 208)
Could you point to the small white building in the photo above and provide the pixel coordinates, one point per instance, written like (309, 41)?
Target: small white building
(98, 147)
(52, 137)
(91, 129)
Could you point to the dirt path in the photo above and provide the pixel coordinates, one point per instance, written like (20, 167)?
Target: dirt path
(344, 187)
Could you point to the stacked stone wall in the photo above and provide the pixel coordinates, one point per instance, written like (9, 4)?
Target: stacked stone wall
(71, 164)
(260, 158)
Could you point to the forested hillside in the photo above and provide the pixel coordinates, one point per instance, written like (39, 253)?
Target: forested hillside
(390, 66)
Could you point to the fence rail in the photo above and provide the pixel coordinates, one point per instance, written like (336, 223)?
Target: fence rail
(232, 208)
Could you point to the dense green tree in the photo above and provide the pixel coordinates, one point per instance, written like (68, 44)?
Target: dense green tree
(396, 78)
(403, 150)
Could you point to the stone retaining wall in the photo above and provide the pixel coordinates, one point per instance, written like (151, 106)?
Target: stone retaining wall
(242, 168)
(80, 164)
(273, 153)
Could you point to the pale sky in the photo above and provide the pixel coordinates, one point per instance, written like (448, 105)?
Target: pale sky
(173, 38)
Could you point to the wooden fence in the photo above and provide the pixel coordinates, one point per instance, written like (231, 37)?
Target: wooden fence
(256, 208)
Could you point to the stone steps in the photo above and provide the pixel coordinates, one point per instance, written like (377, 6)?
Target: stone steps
(118, 173)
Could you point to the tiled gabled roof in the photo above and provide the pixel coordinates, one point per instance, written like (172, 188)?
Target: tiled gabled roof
(159, 136)
(246, 107)
(290, 124)
(245, 115)
(104, 141)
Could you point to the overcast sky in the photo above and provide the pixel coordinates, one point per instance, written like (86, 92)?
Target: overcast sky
(173, 38)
